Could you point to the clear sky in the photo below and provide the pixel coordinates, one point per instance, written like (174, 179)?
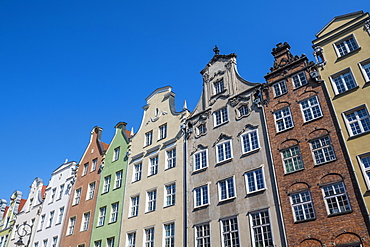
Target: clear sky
(66, 66)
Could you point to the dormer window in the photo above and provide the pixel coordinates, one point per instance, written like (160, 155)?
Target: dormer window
(219, 86)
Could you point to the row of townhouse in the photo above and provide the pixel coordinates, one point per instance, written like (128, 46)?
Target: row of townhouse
(283, 163)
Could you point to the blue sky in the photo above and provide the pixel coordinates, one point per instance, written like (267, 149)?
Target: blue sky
(66, 66)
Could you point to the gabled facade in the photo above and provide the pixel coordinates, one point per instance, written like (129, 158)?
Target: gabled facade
(30, 212)
(81, 207)
(318, 192)
(7, 223)
(58, 191)
(342, 49)
(153, 204)
(110, 193)
(231, 193)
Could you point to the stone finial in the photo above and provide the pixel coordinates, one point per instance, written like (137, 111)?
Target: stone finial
(185, 107)
(216, 50)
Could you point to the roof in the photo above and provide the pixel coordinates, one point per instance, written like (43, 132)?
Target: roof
(21, 204)
(43, 193)
(128, 133)
(105, 146)
(6, 210)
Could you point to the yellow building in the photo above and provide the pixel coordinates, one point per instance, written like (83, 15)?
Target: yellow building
(342, 51)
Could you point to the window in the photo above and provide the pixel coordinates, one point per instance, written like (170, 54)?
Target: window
(91, 190)
(283, 119)
(153, 168)
(116, 154)
(114, 212)
(61, 190)
(85, 222)
(346, 46)
(97, 243)
(169, 235)
(42, 221)
(148, 138)
(254, 181)
(261, 229)
(250, 141)
(137, 172)
(336, 199)
(60, 216)
(299, 80)
(149, 237)
(45, 243)
(35, 245)
(230, 232)
(292, 159)
(226, 189)
(131, 239)
(102, 213)
(71, 225)
(171, 158)
(106, 184)
(200, 160)
(51, 218)
(94, 164)
(311, 109)
(202, 129)
(365, 167)
(202, 235)
(201, 196)
(86, 168)
(55, 241)
(170, 195)
(52, 197)
(134, 206)
(118, 183)
(219, 86)
(365, 68)
(29, 206)
(162, 131)
(152, 200)
(77, 196)
(280, 88)
(343, 81)
(110, 242)
(302, 206)
(358, 121)
(322, 150)
(220, 116)
(243, 110)
(223, 151)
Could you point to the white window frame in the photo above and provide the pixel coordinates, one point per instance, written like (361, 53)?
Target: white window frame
(106, 185)
(53, 193)
(223, 185)
(324, 150)
(201, 158)
(260, 224)
(134, 205)
(94, 163)
(203, 239)
(169, 234)
(71, 225)
(85, 169)
(345, 78)
(311, 110)
(302, 206)
(219, 86)
(45, 243)
(170, 194)
(280, 88)
(42, 221)
(60, 215)
(51, 218)
(149, 237)
(249, 140)
(55, 241)
(365, 69)
(357, 121)
(116, 152)
(285, 118)
(171, 158)
(131, 239)
(151, 199)
(230, 232)
(201, 196)
(61, 190)
(77, 196)
(364, 161)
(221, 150)
(220, 117)
(137, 172)
(110, 242)
(153, 165)
(118, 182)
(243, 110)
(97, 243)
(201, 129)
(85, 222)
(338, 196)
(114, 212)
(299, 79)
(102, 215)
(91, 191)
(148, 138)
(292, 158)
(346, 46)
(252, 180)
(162, 131)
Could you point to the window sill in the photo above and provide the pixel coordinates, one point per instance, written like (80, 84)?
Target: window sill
(358, 135)
(326, 162)
(227, 200)
(337, 95)
(132, 216)
(169, 168)
(336, 214)
(296, 88)
(255, 192)
(306, 220)
(151, 175)
(200, 170)
(284, 130)
(99, 226)
(105, 192)
(280, 95)
(251, 152)
(309, 121)
(168, 206)
(148, 212)
(117, 188)
(110, 223)
(288, 173)
(221, 124)
(136, 181)
(348, 54)
(200, 207)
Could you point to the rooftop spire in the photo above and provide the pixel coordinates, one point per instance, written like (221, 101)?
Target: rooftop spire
(216, 50)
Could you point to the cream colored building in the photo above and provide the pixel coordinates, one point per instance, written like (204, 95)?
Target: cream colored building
(342, 51)
(153, 213)
(231, 195)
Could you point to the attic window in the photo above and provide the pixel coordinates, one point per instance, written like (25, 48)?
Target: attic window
(219, 86)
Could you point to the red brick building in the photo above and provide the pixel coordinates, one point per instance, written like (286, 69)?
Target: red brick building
(317, 189)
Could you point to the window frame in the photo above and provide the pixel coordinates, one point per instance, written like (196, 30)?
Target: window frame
(220, 117)
(148, 138)
(116, 153)
(151, 200)
(284, 119)
(94, 163)
(153, 165)
(202, 193)
(106, 184)
(230, 232)
(302, 205)
(279, 88)
(365, 74)
(134, 205)
(169, 237)
(204, 240)
(77, 196)
(365, 170)
(162, 131)
(263, 226)
(223, 146)
(149, 234)
(171, 158)
(118, 179)
(310, 109)
(170, 194)
(218, 86)
(346, 45)
(91, 191)
(102, 216)
(129, 241)
(203, 160)
(323, 149)
(114, 212)
(251, 141)
(346, 73)
(255, 172)
(297, 79)
(227, 190)
(71, 225)
(294, 158)
(137, 173)
(336, 196)
(85, 221)
(85, 169)
(358, 121)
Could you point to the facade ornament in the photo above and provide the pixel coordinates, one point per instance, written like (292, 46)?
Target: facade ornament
(205, 77)
(319, 56)
(216, 50)
(229, 63)
(367, 26)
